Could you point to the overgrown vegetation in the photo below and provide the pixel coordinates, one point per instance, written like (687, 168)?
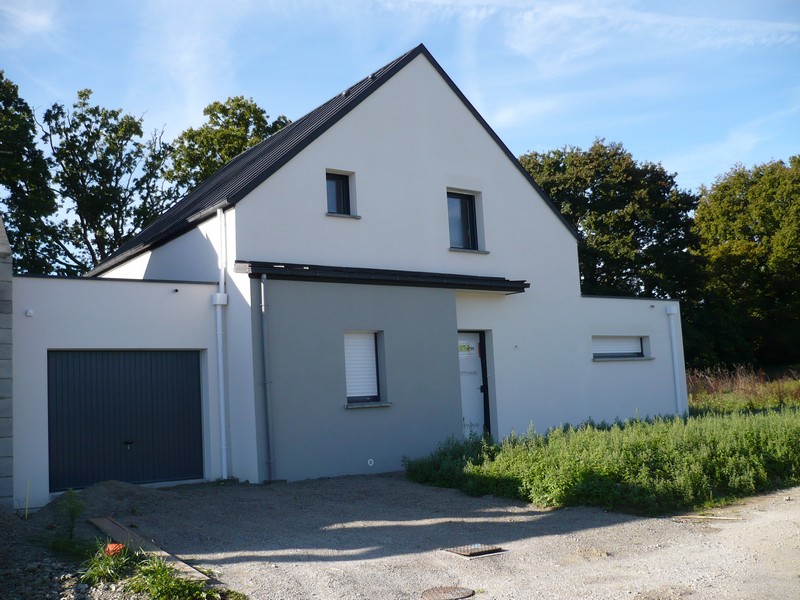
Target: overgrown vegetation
(146, 574)
(748, 446)
(720, 390)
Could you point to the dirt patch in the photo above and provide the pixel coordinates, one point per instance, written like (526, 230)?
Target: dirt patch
(383, 537)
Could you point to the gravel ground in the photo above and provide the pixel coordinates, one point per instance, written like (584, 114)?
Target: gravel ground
(382, 537)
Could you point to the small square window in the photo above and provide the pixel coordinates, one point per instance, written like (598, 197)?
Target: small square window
(338, 186)
(361, 367)
(463, 223)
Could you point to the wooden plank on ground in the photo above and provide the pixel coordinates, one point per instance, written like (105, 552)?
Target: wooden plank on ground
(121, 534)
(705, 518)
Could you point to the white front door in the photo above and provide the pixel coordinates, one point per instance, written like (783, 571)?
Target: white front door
(471, 368)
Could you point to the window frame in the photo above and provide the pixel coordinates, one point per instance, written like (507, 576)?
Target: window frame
(468, 221)
(642, 353)
(342, 204)
(373, 358)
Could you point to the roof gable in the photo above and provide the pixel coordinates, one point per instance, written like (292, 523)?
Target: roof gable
(244, 173)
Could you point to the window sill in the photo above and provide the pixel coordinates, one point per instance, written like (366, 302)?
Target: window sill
(469, 250)
(621, 358)
(342, 215)
(357, 405)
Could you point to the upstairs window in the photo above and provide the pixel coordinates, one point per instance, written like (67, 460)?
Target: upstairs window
(461, 215)
(338, 186)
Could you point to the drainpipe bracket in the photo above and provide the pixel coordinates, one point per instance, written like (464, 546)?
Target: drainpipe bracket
(219, 299)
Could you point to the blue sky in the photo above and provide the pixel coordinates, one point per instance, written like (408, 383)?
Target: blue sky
(695, 85)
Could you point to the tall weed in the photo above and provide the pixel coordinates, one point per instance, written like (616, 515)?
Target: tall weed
(740, 389)
(646, 467)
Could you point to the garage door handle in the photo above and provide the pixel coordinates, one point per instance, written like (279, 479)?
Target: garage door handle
(127, 444)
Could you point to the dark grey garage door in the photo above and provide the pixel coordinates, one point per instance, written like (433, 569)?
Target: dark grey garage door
(128, 415)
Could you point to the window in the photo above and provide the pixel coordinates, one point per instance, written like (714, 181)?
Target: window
(361, 367)
(463, 223)
(338, 186)
(611, 347)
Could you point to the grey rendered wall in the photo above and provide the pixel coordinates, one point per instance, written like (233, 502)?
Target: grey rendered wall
(315, 434)
(6, 417)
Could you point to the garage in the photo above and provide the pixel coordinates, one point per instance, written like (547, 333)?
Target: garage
(129, 415)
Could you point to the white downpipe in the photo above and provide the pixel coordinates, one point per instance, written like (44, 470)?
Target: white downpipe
(221, 299)
(672, 312)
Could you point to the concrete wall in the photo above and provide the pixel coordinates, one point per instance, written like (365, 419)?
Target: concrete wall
(98, 314)
(315, 432)
(6, 388)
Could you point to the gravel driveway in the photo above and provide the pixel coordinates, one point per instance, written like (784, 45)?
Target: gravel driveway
(382, 537)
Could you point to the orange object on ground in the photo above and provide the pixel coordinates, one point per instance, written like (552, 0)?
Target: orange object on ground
(114, 549)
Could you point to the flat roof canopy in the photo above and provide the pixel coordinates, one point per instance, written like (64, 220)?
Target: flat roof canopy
(359, 275)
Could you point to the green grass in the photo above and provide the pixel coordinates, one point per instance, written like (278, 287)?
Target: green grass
(158, 580)
(102, 567)
(643, 467)
(148, 575)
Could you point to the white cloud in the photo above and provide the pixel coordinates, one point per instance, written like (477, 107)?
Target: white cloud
(580, 35)
(184, 51)
(22, 19)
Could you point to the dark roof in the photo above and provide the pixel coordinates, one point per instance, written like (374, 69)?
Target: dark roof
(359, 275)
(251, 168)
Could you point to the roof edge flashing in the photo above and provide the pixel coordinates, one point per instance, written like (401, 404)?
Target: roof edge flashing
(371, 276)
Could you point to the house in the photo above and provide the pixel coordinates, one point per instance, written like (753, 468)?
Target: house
(379, 275)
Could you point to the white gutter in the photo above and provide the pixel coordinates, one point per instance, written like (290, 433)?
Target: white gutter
(219, 300)
(672, 312)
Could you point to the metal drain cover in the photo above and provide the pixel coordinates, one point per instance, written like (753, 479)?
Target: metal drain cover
(447, 593)
(475, 550)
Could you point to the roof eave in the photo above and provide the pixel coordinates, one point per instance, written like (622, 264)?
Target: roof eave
(370, 276)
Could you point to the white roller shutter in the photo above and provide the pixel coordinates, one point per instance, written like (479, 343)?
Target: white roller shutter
(612, 346)
(361, 367)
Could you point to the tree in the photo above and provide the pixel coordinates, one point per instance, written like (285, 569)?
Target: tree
(107, 179)
(231, 128)
(633, 222)
(748, 224)
(28, 199)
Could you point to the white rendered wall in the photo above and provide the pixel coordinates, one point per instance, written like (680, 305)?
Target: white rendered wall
(98, 314)
(190, 257)
(407, 144)
(543, 372)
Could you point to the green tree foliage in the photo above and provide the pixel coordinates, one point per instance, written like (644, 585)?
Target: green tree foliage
(25, 194)
(633, 221)
(748, 223)
(231, 128)
(107, 178)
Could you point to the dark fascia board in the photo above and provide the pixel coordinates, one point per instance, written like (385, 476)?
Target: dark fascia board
(365, 276)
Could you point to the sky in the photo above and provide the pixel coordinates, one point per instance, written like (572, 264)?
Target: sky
(696, 85)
